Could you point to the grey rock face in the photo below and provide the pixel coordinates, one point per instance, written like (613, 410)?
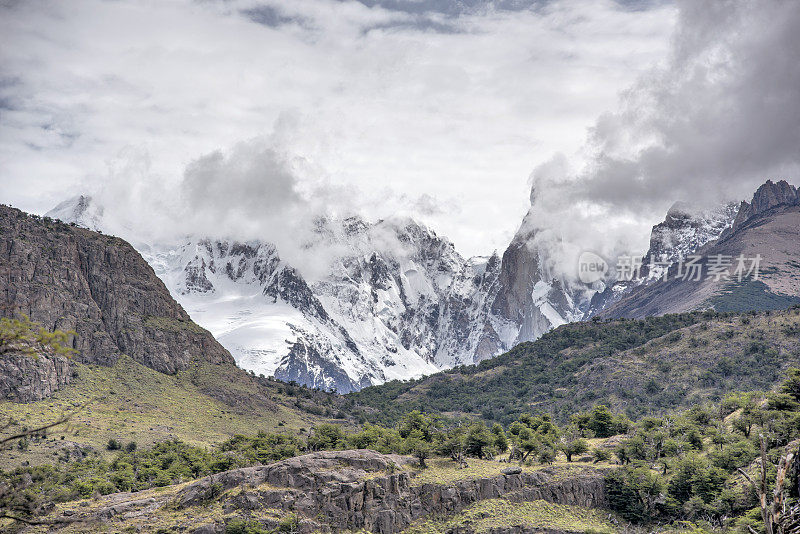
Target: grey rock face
(684, 230)
(768, 196)
(767, 227)
(28, 378)
(351, 490)
(70, 278)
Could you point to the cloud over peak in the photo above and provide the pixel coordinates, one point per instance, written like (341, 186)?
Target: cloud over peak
(717, 120)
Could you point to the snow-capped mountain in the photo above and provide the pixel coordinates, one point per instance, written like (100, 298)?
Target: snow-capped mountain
(395, 300)
(684, 231)
(79, 210)
(386, 300)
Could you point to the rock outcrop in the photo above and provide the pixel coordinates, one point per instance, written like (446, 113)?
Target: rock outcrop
(362, 489)
(338, 491)
(32, 377)
(768, 196)
(73, 279)
(684, 230)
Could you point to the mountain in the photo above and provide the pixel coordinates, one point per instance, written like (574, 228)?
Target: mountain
(98, 286)
(529, 300)
(764, 234)
(685, 229)
(369, 302)
(142, 369)
(394, 301)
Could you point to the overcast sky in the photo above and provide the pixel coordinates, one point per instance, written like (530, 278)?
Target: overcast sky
(439, 109)
(246, 117)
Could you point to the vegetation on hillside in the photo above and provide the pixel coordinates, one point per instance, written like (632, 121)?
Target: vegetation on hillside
(702, 465)
(694, 466)
(750, 295)
(24, 336)
(640, 367)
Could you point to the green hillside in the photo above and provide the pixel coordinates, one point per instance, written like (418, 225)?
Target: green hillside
(129, 402)
(635, 366)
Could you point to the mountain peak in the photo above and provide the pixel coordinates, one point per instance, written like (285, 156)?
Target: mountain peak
(770, 195)
(80, 210)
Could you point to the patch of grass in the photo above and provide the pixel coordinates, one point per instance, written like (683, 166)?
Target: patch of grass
(445, 471)
(499, 513)
(131, 402)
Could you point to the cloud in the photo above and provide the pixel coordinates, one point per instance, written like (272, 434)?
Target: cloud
(446, 99)
(231, 189)
(720, 118)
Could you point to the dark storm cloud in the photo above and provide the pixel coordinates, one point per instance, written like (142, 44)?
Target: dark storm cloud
(272, 16)
(717, 119)
(453, 8)
(722, 117)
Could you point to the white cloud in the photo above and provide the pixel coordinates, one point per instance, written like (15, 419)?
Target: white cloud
(429, 110)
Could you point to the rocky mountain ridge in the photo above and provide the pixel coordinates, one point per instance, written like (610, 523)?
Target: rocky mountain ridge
(683, 232)
(73, 279)
(395, 299)
(764, 234)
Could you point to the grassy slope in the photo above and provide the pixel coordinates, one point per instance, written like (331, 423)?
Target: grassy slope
(652, 365)
(130, 402)
(500, 513)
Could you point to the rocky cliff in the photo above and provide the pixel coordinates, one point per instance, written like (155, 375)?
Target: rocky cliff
(73, 279)
(348, 491)
(27, 378)
(684, 230)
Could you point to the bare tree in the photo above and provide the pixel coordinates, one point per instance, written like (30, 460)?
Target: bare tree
(772, 509)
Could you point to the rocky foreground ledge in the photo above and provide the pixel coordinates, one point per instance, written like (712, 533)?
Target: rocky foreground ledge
(338, 491)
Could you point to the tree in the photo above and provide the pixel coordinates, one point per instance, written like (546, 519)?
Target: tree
(326, 436)
(791, 386)
(418, 447)
(454, 445)
(500, 438)
(478, 440)
(602, 422)
(574, 447)
(634, 493)
(418, 421)
(528, 443)
(772, 507)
